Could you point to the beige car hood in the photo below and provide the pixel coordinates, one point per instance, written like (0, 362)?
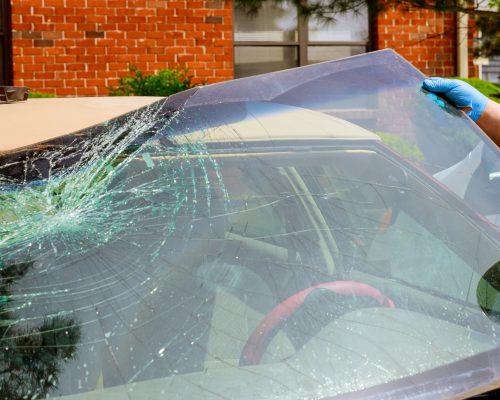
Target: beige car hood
(37, 120)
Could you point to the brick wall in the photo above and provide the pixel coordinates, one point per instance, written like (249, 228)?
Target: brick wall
(80, 47)
(426, 38)
(61, 47)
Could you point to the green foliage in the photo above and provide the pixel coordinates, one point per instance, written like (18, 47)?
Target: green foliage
(489, 44)
(32, 355)
(402, 146)
(489, 89)
(165, 83)
(39, 95)
(488, 292)
(489, 25)
(324, 11)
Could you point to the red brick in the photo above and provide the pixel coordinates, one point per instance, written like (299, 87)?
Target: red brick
(32, 19)
(65, 12)
(64, 91)
(166, 58)
(117, 3)
(152, 34)
(65, 75)
(421, 36)
(45, 75)
(32, 51)
(55, 83)
(96, 18)
(105, 11)
(55, 67)
(70, 19)
(75, 50)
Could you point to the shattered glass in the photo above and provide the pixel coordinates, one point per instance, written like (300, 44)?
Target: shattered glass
(311, 233)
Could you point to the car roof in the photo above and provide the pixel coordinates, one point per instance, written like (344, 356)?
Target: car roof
(273, 121)
(38, 120)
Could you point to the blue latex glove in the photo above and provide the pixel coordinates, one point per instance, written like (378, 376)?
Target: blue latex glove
(463, 95)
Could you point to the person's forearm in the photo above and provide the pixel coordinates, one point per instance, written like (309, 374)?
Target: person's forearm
(489, 121)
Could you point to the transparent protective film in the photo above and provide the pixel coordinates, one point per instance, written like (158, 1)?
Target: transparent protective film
(324, 231)
(383, 93)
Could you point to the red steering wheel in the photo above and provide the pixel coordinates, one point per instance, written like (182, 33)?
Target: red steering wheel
(261, 336)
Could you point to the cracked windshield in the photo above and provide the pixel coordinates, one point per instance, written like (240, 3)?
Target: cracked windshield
(301, 234)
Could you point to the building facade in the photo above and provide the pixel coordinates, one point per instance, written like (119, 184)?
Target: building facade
(61, 47)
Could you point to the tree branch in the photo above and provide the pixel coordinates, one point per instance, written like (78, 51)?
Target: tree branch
(322, 9)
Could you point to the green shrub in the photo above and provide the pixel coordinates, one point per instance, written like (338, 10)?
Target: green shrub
(489, 89)
(402, 146)
(39, 95)
(165, 83)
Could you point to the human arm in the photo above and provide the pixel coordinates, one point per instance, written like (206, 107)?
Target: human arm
(489, 121)
(485, 112)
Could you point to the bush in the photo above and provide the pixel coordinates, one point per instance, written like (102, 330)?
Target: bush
(164, 83)
(402, 145)
(39, 95)
(489, 89)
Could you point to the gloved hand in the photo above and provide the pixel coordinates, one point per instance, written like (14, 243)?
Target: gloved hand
(460, 93)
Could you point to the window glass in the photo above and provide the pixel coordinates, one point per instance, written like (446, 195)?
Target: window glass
(267, 226)
(279, 23)
(317, 54)
(272, 23)
(349, 27)
(420, 258)
(253, 60)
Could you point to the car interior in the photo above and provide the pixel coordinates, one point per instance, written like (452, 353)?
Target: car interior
(281, 266)
(292, 265)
